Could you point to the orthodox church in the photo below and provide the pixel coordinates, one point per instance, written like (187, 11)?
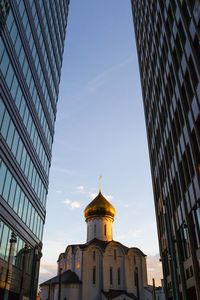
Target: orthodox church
(101, 268)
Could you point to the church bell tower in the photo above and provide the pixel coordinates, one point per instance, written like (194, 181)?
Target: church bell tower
(99, 216)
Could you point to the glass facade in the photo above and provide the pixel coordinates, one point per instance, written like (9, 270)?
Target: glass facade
(31, 51)
(168, 43)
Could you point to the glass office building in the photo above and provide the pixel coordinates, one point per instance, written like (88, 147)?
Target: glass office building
(168, 42)
(31, 51)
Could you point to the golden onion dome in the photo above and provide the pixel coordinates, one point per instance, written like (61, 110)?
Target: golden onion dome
(99, 207)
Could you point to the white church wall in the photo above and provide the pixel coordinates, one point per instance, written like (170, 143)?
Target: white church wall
(141, 274)
(144, 270)
(71, 292)
(121, 297)
(69, 259)
(44, 293)
(100, 228)
(78, 262)
(91, 290)
(114, 262)
(68, 291)
(106, 269)
(129, 272)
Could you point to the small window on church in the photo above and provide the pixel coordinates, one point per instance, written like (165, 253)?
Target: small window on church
(111, 276)
(94, 254)
(105, 229)
(115, 254)
(118, 276)
(94, 275)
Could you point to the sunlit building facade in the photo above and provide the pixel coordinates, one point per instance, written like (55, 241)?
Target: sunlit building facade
(31, 51)
(168, 43)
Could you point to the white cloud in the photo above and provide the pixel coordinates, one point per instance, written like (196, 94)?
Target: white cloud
(72, 204)
(80, 189)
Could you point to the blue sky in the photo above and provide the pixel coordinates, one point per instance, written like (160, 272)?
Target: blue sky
(100, 130)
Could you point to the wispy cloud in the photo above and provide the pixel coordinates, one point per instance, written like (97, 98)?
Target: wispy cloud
(91, 87)
(72, 204)
(80, 189)
(102, 77)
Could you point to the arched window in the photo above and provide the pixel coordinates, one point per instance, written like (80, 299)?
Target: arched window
(94, 275)
(94, 255)
(118, 276)
(105, 229)
(111, 275)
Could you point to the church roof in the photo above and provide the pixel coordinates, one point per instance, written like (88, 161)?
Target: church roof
(112, 294)
(102, 244)
(99, 207)
(66, 277)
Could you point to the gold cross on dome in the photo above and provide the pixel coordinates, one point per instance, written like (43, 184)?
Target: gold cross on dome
(100, 183)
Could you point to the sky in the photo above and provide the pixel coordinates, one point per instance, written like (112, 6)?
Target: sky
(100, 130)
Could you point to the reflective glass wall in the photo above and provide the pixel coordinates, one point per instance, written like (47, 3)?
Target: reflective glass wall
(31, 50)
(168, 43)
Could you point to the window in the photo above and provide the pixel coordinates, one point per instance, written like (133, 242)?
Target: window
(2, 176)
(4, 242)
(5, 125)
(118, 276)
(12, 192)
(94, 275)
(111, 276)
(7, 186)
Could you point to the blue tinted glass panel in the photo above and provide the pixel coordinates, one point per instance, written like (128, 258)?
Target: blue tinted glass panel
(6, 188)
(2, 176)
